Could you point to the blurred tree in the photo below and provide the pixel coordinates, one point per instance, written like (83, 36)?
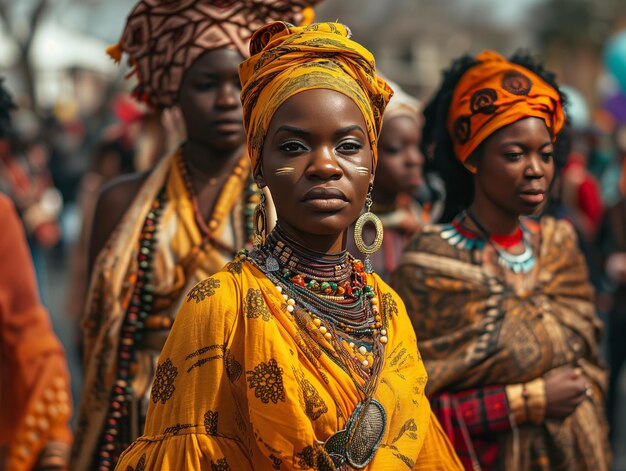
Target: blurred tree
(20, 21)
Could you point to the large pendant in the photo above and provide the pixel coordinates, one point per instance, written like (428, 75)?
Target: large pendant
(271, 264)
(357, 444)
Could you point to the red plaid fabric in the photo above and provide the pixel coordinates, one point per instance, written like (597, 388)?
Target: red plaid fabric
(472, 420)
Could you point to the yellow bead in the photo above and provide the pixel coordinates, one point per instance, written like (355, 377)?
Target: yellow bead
(328, 336)
(323, 329)
(374, 301)
(362, 350)
(317, 322)
(383, 339)
(365, 363)
(291, 302)
(383, 332)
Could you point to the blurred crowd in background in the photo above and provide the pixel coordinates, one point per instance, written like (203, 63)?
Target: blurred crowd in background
(76, 126)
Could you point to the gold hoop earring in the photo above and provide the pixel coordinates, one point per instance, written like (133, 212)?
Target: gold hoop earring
(364, 218)
(259, 220)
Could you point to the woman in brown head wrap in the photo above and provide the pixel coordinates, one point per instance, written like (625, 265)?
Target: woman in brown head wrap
(293, 357)
(157, 234)
(502, 303)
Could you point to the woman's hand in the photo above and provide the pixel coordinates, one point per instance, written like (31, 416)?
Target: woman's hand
(565, 390)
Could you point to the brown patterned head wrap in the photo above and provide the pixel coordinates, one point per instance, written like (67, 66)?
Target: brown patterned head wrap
(286, 60)
(164, 37)
(495, 93)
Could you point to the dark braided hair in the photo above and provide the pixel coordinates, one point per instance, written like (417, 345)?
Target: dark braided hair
(6, 105)
(437, 143)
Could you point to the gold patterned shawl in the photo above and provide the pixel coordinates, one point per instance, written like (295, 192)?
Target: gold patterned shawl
(181, 259)
(240, 387)
(479, 325)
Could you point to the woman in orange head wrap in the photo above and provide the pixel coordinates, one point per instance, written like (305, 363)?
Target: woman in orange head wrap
(502, 303)
(293, 357)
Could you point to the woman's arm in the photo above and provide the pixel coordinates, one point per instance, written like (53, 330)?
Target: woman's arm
(35, 406)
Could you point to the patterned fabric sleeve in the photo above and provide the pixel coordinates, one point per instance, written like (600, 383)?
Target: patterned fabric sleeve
(35, 406)
(192, 416)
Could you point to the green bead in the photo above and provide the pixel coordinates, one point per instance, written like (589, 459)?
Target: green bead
(356, 292)
(313, 285)
(333, 285)
(324, 285)
(368, 289)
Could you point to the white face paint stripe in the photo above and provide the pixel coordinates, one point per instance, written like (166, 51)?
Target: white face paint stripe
(284, 170)
(363, 170)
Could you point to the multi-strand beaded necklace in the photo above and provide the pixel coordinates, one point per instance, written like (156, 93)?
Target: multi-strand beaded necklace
(332, 290)
(334, 308)
(459, 235)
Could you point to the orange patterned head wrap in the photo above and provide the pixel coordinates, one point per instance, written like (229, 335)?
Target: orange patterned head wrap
(286, 60)
(164, 37)
(494, 94)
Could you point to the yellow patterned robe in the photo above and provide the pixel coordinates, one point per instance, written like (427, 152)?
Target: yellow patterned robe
(238, 387)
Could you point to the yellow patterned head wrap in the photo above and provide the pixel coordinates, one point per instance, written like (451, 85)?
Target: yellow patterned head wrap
(286, 60)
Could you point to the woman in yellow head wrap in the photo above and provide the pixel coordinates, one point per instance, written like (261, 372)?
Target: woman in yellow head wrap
(293, 356)
(157, 233)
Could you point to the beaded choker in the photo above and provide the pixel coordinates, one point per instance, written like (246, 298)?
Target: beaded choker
(343, 309)
(460, 236)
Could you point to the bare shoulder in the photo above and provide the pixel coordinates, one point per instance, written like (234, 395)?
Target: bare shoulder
(113, 200)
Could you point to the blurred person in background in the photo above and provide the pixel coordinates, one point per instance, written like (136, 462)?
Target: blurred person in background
(157, 233)
(613, 242)
(502, 303)
(34, 384)
(135, 142)
(398, 178)
(25, 177)
(580, 191)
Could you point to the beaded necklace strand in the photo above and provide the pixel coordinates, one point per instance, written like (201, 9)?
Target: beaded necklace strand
(521, 263)
(116, 433)
(350, 322)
